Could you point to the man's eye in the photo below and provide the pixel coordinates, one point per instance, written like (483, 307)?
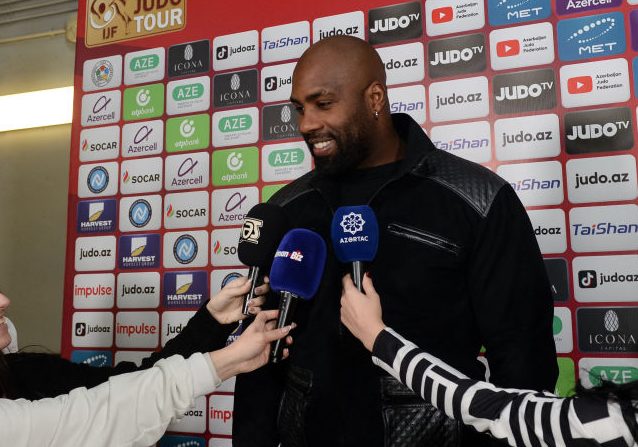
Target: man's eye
(324, 104)
(299, 110)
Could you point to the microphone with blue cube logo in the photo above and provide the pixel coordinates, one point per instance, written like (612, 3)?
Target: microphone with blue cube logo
(355, 238)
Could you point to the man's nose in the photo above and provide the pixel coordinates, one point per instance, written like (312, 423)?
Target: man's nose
(308, 123)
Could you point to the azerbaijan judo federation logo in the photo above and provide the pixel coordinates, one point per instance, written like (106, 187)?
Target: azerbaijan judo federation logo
(352, 223)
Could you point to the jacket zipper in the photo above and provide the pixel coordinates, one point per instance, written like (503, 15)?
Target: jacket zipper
(424, 237)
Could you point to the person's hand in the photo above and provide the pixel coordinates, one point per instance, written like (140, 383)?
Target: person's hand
(361, 313)
(226, 305)
(252, 349)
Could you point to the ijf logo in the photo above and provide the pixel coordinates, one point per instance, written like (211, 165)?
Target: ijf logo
(141, 139)
(505, 12)
(97, 180)
(110, 21)
(144, 66)
(101, 108)
(591, 36)
(102, 73)
(96, 216)
(186, 249)
(236, 50)
(138, 213)
(139, 251)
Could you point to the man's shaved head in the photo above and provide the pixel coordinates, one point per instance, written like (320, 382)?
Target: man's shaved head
(338, 88)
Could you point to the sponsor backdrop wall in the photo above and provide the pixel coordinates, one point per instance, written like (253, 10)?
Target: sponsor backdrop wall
(182, 124)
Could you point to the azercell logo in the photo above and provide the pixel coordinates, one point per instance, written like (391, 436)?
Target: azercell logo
(591, 36)
(146, 138)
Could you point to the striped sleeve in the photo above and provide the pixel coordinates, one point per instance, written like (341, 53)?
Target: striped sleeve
(518, 417)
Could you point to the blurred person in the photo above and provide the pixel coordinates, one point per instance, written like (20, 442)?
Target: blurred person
(603, 416)
(133, 409)
(458, 267)
(32, 375)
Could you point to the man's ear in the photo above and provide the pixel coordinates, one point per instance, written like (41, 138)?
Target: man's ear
(377, 96)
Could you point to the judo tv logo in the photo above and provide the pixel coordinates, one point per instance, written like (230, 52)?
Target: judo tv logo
(524, 91)
(456, 55)
(397, 22)
(601, 130)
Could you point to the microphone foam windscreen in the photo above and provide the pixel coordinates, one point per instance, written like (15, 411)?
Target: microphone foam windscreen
(298, 264)
(355, 233)
(264, 226)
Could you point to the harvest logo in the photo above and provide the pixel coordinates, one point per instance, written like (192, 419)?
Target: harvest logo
(111, 21)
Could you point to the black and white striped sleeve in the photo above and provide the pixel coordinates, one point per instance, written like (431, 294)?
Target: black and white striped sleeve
(519, 417)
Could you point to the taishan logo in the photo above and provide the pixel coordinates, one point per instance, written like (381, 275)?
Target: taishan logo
(116, 20)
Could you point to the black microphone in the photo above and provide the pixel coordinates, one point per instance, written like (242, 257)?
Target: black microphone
(295, 273)
(264, 226)
(355, 238)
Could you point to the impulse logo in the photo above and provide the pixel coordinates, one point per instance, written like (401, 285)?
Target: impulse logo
(602, 130)
(139, 251)
(397, 22)
(137, 329)
(456, 55)
(591, 36)
(505, 12)
(524, 91)
(94, 291)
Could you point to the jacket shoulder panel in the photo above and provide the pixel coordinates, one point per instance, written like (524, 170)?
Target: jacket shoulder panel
(293, 190)
(473, 183)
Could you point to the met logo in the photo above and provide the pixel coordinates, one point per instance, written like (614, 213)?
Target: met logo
(505, 12)
(591, 36)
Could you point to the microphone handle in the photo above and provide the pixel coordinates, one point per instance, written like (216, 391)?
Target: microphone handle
(357, 274)
(253, 275)
(287, 306)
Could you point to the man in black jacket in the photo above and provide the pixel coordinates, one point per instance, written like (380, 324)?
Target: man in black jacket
(458, 267)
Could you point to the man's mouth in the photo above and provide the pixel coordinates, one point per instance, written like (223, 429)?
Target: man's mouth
(324, 147)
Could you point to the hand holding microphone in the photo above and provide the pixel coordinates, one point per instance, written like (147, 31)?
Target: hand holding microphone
(361, 312)
(296, 272)
(355, 238)
(263, 228)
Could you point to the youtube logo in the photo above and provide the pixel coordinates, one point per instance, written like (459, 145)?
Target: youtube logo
(442, 15)
(579, 84)
(508, 48)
